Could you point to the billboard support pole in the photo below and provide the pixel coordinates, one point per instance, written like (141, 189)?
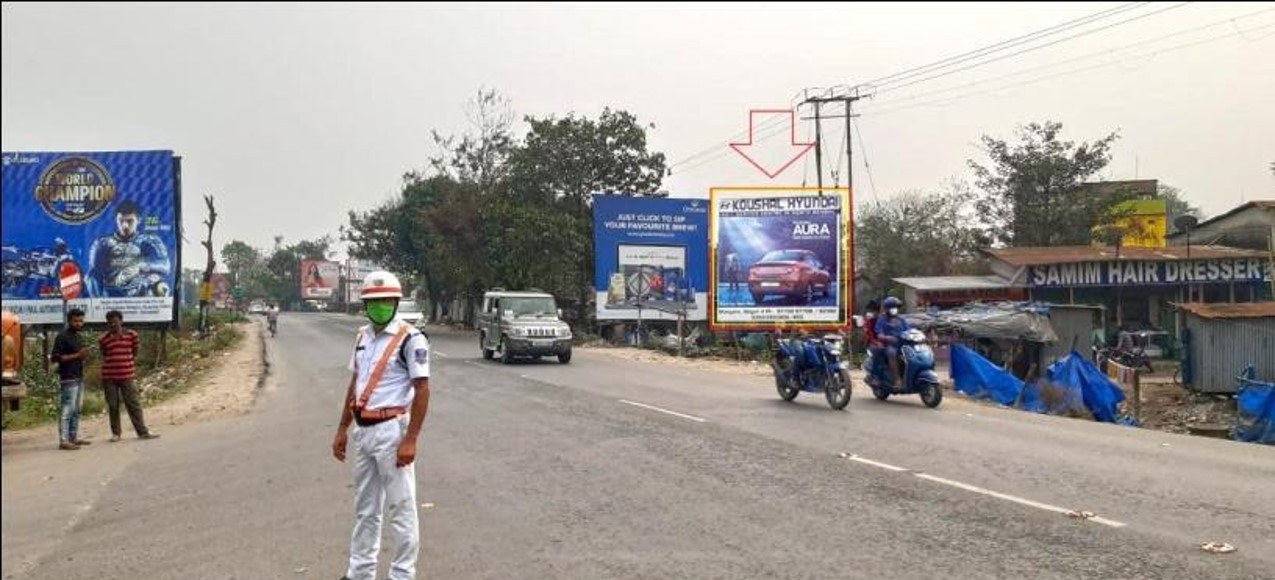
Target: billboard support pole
(44, 346)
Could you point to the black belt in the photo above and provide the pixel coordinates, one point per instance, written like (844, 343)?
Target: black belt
(377, 416)
(366, 423)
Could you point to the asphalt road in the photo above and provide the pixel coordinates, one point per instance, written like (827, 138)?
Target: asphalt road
(606, 468)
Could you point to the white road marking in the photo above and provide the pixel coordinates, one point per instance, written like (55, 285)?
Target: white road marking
(1015, 499)
(979, 490)
(443, 354)
(674, 413)
(867, 461)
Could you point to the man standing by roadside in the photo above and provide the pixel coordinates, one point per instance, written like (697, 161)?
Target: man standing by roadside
(119, 353)
(69, 353)
(387, 399)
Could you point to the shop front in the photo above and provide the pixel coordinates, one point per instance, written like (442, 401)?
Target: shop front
(1136, 286)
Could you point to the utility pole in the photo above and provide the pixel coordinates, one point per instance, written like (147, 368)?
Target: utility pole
(818, 149)
(848, 100)
(1270, 268)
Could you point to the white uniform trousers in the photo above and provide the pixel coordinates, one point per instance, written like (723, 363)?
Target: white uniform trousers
(381, 486)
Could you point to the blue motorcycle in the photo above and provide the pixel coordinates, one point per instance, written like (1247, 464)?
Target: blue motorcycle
(916, 359)
(812, 365)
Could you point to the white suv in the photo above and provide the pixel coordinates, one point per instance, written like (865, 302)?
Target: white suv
(409, 311)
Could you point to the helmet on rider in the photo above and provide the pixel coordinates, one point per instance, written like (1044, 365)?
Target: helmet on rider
(891, 306)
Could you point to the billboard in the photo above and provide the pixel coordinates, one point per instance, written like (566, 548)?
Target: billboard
(319, 279)
(221, 290)
(355, 272)
(780, 258)
(109, 217)
(650, 257)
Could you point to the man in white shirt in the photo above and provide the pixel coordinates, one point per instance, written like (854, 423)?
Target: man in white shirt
(387, 399)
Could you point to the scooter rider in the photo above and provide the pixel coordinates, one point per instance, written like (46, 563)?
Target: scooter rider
(889, 330)
(870, 340)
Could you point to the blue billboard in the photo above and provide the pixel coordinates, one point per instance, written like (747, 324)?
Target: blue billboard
(106, 219)
(651, 257)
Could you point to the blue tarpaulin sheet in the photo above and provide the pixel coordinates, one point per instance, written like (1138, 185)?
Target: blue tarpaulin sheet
(980, 378)
(1075, 374)
(1256, 405)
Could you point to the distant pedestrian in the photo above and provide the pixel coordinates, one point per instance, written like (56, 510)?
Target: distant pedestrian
(119, 371)
(69, 353)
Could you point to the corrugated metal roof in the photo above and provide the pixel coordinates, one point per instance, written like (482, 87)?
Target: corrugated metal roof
(1074, 254)
(1262, 203)
(1228, 310)
(932, 283)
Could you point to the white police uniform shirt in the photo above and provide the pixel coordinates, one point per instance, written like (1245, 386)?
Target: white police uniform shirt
(395, 388)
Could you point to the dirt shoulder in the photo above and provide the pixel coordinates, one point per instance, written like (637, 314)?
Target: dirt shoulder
(227, 387)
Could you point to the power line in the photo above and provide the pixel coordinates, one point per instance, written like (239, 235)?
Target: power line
(1031, 49)
(841, 154)
(715, 151)
(1003, 45)
(716, 148)
(1153, 53)
(724, 151)
(864, 153)
(1105, 52)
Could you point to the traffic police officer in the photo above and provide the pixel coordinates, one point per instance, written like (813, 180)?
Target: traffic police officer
(387, 399)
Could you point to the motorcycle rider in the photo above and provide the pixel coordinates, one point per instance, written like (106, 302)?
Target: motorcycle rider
(272, 318)
(889, 330)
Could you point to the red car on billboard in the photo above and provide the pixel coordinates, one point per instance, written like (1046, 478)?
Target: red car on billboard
(795, 273)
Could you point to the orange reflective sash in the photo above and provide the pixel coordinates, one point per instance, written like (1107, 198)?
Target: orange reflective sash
(379, 369)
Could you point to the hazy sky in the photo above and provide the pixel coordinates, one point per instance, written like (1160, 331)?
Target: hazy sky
(293, 114)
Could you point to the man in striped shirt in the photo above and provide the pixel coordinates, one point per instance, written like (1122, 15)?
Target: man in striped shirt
(119, 352)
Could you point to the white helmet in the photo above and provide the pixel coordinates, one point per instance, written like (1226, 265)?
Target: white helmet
(381, 284)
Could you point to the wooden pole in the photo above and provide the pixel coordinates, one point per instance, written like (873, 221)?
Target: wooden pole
(1137, 395)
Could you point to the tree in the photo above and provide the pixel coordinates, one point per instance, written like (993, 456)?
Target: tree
(564, 161)
(571, 158)
(241, 259)
(917, 234)
(492, 211)
(481, 156)
(284, 266)
(1033, 193)
(1176, 205)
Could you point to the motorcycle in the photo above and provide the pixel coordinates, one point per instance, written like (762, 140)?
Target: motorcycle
(812, 365)
(916, 361)
(1134, 359)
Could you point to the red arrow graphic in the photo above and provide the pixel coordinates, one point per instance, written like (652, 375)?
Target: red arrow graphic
(796, 150)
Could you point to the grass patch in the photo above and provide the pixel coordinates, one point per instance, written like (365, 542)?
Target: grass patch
(165, 368)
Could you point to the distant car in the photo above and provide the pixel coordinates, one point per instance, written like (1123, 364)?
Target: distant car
(257, 308)
(409, 311)
(789, 273)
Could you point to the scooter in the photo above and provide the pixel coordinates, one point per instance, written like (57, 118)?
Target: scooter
(812, 365)
(916, 360)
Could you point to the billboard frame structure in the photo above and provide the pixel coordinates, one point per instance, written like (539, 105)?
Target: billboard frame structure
(787, 317)
(151, 178)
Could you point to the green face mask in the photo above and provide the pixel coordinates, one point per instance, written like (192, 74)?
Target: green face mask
(381, 313)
